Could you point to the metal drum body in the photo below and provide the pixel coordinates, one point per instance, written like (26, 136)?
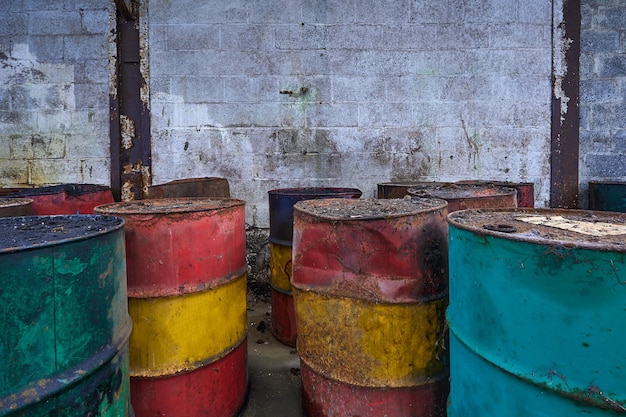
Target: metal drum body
(399, 189)
(536, 315)
(370, 292)
(467, 196)
(12, 207)
(281, 203)
(66, 198)
(187, 297)
(525, 190)
(65, 323)
(191, 187)
(607, 196)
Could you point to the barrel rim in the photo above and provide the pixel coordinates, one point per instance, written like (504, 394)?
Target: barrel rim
(500, 191)
(438, 205)
(618, 183)
(318, 192)
(168, 206)
(106, 230)
(536, 239)
(15, 201)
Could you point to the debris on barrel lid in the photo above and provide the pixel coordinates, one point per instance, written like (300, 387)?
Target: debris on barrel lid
(580, 228)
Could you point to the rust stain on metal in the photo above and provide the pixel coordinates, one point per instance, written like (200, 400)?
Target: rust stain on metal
(127, 131)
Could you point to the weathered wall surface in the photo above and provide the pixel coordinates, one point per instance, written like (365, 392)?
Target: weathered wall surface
(54, 92)
(603, 92)
(292, 93)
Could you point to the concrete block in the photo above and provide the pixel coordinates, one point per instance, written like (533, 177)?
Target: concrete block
(301, 36)
(362, 36)
(54, 22)
(333, 115)
(410, 36)
(14, 24)
(520, 35)
(534, 11)
(95, 20)
(613, 115)
(37, 146)
(472, 11)
(93, 95)
(440, 12)
(599, 41)
(467, 88)
(198, 89)
(461, 36)
(609, 66)
(412, 88)
(383, 11)
(192, 37)
(47, 48)
(194, 12)
(256, 88)
(13, 172)
(79, 146)
(392, 114)
(247, 37)
(274, 11)
(54, 120)
(600, 91)
(606, 165)
(611, 17)
(329, 12)
(359, 89)
(79, 48)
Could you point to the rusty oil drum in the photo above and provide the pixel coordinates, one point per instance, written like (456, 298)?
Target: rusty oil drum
(399, 189)
(186, 262)
(191, 187)
(281, 203)
(12, 207)
(525, 190)
(467, 196)
(607, 196)
(544, 331)
(65, 323)
(66, 198)
(370, 282)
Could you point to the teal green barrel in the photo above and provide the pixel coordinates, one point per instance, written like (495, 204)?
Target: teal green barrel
(537, 307)
(607, 196)
(64, 317)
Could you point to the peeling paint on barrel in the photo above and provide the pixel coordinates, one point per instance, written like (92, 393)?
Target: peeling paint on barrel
(370, 291)
(65, 319)
(187, 297)
(542, 333)
(281, 203)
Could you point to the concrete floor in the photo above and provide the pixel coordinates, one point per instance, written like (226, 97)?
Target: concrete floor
(273, 368)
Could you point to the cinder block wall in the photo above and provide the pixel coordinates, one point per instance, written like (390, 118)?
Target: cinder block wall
(603, 93)
(54, 92)
(293, 93)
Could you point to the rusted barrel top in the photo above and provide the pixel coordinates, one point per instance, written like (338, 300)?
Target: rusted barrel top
(25, 233)
(11, 207)
(569, 228)
(468, 196)
(169, 205)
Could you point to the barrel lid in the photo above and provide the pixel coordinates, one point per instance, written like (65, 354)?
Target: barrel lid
(570, 228)
(368, 209)
(450, 191)
(14, 201)
(29, 232)
(169, 205)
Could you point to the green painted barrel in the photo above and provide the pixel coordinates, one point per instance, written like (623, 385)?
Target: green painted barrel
(607, 196)
(64, 317)
(536, 313)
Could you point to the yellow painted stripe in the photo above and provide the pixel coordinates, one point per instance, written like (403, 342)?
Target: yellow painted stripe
(173, 334)
(280, 260)
(369, 344)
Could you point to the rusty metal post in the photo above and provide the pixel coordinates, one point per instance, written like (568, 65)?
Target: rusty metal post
(130, 118)
(565, 105)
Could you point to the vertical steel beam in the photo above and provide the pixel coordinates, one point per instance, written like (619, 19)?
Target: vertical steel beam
(564, 157)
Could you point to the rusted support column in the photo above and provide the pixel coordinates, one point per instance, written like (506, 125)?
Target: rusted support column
(130, 118)
(565, 104)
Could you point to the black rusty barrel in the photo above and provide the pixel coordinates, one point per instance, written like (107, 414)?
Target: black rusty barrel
(607, 196)
(11, 207)
(467, 196)
(64, 317)
(281, 203)
(525, 190)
